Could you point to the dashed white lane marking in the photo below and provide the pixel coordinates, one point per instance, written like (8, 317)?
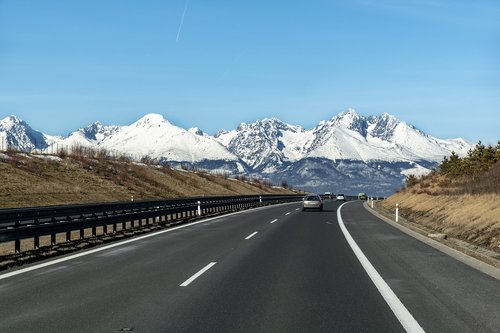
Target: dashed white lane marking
(251, 235)
(404, 316)
(288, 213)
(297, 209)
(273, 221)
(329, 223)
(194, 277)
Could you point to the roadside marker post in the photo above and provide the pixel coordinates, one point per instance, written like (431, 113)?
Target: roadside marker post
(397, 212)
(199, 208)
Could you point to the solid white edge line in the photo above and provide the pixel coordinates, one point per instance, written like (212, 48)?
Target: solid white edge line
(251, 235)
(273, 221)
(194, 277)
(404, 316)
(106, 247)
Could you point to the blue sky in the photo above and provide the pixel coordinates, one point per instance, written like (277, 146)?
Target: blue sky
(213, 64)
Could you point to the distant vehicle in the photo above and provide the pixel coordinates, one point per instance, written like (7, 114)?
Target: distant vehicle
(312, 201)
(328, 195)
(340, 197)
(362, 196)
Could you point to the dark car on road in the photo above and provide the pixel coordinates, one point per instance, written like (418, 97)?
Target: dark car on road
(312, 201)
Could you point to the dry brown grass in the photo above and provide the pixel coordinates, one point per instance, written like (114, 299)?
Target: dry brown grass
(471, 217)
(436, 183)
(465, 207)
(27, 181)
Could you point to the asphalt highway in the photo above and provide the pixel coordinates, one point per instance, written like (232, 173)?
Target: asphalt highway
(272, 269)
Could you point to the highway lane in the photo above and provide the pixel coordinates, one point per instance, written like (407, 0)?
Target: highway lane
(272, 269)
(295, 274)
(443, 294)
(297, 277)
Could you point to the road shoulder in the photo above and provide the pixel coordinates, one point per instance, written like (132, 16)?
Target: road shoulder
(474, 259)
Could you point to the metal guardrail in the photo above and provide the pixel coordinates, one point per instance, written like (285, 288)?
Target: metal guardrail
(23, 223)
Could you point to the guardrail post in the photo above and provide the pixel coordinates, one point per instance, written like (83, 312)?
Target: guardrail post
(36, 239)
(199, 208)
(397, 212)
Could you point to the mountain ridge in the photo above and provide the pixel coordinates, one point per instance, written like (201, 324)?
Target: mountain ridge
(344, 147)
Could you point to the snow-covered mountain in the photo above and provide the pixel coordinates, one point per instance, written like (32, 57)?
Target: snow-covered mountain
(347, 153)
(17, 134)
(90, 136)
(268, 143)
(154, 136)
(351, 136)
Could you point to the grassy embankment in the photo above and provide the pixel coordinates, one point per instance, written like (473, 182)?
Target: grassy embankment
(35, 180)
(461, 199)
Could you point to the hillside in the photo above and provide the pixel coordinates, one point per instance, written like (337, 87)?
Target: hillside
(460, 199)
(36, 180)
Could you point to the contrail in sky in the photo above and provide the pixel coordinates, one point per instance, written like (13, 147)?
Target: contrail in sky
(182, 20)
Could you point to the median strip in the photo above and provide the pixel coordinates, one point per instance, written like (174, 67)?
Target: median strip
(251, 235)
(194, 277)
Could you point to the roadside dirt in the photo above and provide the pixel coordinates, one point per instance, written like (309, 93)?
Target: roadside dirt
(415, 223)
(474, 219)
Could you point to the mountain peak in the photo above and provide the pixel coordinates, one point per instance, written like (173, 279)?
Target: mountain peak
(151, 120)
(271, 120)
(196, 131)
(350, 113)
(97, 131)
(93, 127)
(387, 116)
(17, 133)
(11, 121)
(351, 120)
(220, 132)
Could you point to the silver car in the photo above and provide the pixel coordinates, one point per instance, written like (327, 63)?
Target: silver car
(312, 201)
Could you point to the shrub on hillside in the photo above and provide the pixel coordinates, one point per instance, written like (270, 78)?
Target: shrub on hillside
(478, 160)
(411, 180)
